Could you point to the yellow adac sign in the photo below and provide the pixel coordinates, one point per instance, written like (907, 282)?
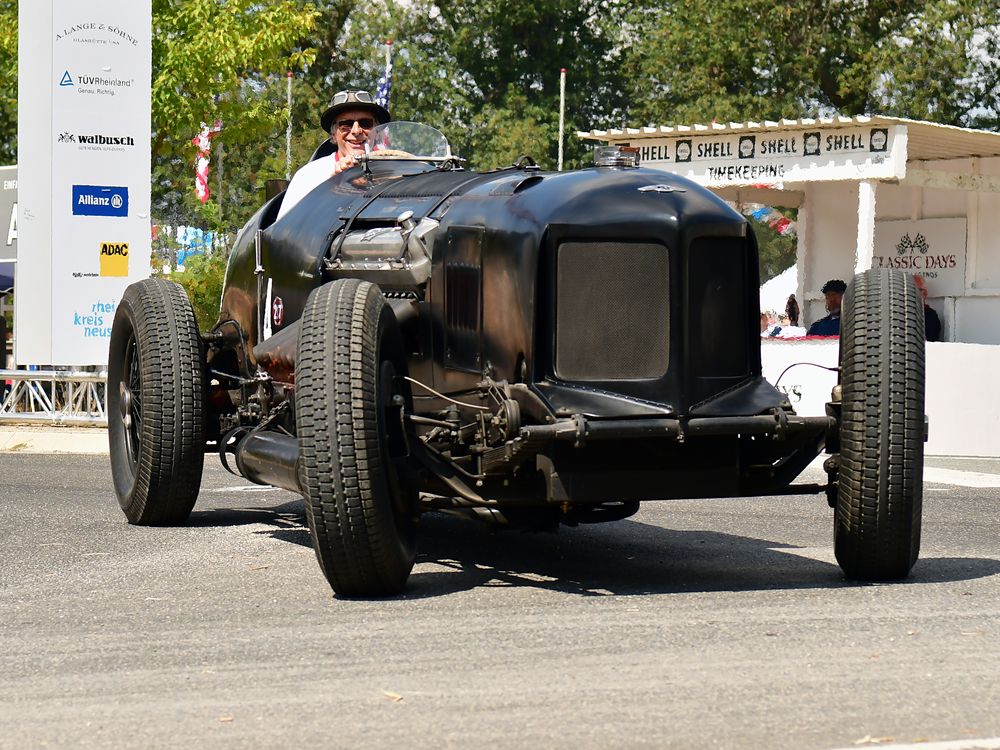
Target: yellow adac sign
(114, 259)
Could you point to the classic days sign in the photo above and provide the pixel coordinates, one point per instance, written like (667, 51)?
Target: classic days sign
(932, 248)
(783, 155)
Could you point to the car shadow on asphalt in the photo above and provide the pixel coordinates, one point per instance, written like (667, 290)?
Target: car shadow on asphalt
(285, 522)
(633, 558)
(621, 558)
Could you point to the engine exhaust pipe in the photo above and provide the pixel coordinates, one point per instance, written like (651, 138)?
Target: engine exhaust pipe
(270, 458)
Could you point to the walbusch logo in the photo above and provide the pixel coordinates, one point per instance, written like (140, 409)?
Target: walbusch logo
(98, 141)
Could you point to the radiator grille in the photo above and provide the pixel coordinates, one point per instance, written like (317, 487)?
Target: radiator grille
(463, 298)
(718, 283)
(612, 311)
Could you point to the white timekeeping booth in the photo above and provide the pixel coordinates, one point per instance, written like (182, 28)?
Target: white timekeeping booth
(871, 192)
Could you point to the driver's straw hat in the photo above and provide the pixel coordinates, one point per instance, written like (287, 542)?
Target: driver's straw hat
(352, 99)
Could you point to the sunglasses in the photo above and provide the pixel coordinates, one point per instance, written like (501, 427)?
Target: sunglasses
(366, 123)
(359, 96)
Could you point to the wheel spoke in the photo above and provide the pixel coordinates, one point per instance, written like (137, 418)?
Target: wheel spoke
(131, 401)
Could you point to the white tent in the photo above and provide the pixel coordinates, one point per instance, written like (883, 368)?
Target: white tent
(774, 293)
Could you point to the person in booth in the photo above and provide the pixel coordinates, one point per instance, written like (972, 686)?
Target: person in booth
(932, 323)
(833, 292)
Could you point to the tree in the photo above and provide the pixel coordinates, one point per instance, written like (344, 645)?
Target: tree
(487, 73)
(699, 60)
(8, 81)
(202, 279)
(210, 60)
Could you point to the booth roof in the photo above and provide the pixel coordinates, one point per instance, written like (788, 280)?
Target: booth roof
(925, 140)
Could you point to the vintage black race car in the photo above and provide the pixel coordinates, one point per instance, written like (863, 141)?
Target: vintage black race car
(535, 348)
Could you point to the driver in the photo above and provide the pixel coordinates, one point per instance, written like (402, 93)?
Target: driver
(349, 119)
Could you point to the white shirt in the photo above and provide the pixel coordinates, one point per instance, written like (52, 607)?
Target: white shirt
(305, 181)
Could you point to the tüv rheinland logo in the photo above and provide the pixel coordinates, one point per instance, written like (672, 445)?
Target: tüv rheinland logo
(102, 84)
(100, 200)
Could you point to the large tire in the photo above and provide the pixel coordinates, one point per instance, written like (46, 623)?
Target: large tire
(361, 516)
(879, 496)
(156, 404)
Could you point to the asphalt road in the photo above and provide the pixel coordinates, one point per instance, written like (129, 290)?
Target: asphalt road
(703, 624)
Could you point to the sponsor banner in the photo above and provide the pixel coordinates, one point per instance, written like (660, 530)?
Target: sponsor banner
(8, 213)
(114, 259)
(932, 248)
(89, 84)
(100, 141)
(779, 156)
(92, 64)
(100, 200)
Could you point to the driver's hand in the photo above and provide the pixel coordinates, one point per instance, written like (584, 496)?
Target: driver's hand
(344, 163)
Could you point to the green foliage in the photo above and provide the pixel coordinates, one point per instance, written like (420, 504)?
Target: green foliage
(487, 73)
(202, 279)
(777, 251)
(205, 52)
(8, 81)
(210, 59)
(699, 60)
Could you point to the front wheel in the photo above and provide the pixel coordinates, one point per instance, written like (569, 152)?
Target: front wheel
(879, 496)
(156, 404)
(348, 409)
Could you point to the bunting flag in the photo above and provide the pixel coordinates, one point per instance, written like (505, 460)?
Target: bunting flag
(204, 143)
(774, 219)
(385, 82)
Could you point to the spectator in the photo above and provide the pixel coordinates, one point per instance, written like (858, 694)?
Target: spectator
(833, 291)
(932, 323)
(768, 327)
(792, 310)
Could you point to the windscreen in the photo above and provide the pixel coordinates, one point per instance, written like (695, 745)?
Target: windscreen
(407, 140)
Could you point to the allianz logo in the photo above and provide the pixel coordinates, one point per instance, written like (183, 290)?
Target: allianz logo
(97, 140)
(86, 199)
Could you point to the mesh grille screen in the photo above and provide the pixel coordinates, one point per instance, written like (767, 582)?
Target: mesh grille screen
(612, 311)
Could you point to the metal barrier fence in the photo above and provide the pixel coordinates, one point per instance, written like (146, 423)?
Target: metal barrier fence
(55, 397)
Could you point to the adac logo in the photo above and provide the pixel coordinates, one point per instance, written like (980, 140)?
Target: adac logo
(100, 200)
(114, 259)
(66, 80)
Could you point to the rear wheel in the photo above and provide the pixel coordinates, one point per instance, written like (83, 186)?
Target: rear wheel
(156, 424)
(879, 497)
(348, 410)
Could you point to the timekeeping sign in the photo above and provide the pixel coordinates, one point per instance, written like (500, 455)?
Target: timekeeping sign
(779, 155)
(90, 66)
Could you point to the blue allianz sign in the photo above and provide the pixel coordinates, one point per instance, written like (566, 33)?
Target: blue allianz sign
(100, 200)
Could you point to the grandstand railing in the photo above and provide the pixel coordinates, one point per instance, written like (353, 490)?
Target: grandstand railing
(54, 397)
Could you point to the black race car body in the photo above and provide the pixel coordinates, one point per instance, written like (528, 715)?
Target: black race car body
(545, 346)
